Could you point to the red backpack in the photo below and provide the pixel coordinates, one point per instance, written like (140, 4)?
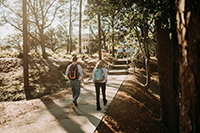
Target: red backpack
(73, 72)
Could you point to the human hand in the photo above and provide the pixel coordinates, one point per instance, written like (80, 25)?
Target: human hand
(83, 84)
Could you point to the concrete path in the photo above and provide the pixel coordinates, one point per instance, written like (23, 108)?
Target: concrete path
(58, 117)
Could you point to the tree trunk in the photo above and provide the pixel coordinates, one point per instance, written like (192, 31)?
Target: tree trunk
(188, 27)
(44, 54)
(145, 35)
(68, 45)
(70, 27)
(41, 30)
(104, 42)
(145, 51)
(167, 92)
(99, 42)
(175, 60)
(35, 42)
(80, 26)
(90, 40)
(147, 66)
(113, 49)
(147, 57)
(25, 51)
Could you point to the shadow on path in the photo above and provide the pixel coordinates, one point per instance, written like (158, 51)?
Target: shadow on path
(65, 122)
(93, 120)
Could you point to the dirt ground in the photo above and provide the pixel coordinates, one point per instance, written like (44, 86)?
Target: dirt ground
(132, 110)
(46, 77)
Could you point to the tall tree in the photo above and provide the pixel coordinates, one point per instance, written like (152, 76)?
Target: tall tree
(136, 20)
(106, 11)
(110, 12)
(25, 49)
(113, 37)
(70, 26)
(94, 8)
(166, 58)
(93, 35)
(80, 20)
(167, 62)
(68, 16)
(105, 30)
(42, 14)
(188, 27)
(99, 29)
(169, 117)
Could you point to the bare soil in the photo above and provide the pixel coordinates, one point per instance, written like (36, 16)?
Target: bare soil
(46, 77)
(133, 109)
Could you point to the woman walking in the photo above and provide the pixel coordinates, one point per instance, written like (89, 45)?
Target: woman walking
(99, 78)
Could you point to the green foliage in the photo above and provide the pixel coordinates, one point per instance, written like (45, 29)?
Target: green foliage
(55, 39)
(94, 46)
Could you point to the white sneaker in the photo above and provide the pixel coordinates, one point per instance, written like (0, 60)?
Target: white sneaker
(73, 106)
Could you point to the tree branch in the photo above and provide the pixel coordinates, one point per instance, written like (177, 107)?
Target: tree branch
(54, 15)
(21, 30)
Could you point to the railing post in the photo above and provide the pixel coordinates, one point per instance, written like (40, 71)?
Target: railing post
(115, 57)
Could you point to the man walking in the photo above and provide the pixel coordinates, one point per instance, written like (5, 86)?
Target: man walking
(75, 74)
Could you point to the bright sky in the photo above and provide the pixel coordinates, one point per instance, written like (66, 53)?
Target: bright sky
(5, 30)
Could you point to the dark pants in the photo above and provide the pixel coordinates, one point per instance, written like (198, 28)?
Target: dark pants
(75, 86)
(103, 88)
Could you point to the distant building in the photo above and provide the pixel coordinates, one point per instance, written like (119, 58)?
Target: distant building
(84, 43)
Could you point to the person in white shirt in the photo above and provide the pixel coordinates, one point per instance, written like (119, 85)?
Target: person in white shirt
(76, 82)
(100, 84)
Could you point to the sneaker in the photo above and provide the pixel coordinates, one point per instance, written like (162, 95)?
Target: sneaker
(105, 102)
(73, 106)
(98, 108)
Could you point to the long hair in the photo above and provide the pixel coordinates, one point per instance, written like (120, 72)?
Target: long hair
(100, 64)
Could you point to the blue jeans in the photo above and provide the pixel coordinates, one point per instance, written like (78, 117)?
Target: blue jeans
(75, 86)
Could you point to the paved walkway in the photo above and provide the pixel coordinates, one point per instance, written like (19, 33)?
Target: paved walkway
(59, 116)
